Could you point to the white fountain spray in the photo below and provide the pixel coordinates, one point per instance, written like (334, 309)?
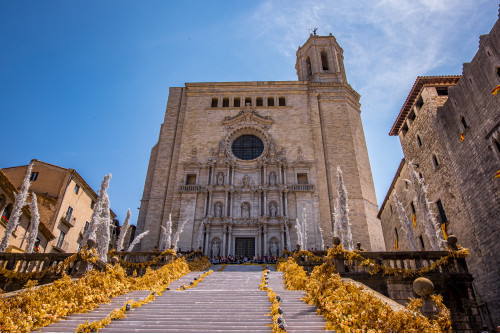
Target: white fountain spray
(321, 241)
(123, 232)
(35, 221)
(304, 228)
(342, 224)
(103, 233)
(96, 214)
(405, 223)
(419, 192)
(20, 201)
(137, 239)
(287, 233)
(178, 234)
(298, 227)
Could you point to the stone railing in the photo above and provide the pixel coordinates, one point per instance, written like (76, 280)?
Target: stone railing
(24, 263)
(451, 279)
(302, 187)
(145, 257)
(189, 188)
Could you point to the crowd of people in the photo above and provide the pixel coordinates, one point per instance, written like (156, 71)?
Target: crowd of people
(243, 259)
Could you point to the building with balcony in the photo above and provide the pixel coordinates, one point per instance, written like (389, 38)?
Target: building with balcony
(66, 202)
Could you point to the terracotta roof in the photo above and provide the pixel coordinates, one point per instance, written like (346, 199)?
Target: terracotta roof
(74, 173)
(446, 80)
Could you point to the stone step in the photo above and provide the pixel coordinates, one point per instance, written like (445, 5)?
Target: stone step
(224, 302)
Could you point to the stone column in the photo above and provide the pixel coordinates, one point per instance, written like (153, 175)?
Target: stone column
(281, 210)
(231, 204)
(211, 206)
(284, 174)
(265, 175)
(266, 246)
(260, 204)
(230, 240)
(282, 239)
(205, 208)
(225, 204)
(207, 241)
(223, 253)
(265, 204)
(285, 208)
(255, 245)
(259, 240)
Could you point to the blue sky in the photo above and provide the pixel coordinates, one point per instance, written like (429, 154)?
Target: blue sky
(84, 84)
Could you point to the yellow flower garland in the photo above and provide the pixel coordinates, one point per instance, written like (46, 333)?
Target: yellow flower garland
(128, 264)
(275, 304)
(374, 267)
(195, 282)
(84, 255)
(348, 308)
(39, 307)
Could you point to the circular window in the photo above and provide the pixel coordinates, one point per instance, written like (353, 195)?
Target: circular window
(247, 147)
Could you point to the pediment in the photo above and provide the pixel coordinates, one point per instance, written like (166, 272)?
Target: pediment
(248, 117)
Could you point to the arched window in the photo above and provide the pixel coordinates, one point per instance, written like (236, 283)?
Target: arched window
(308, 67)
(324, 61)
(6, 213)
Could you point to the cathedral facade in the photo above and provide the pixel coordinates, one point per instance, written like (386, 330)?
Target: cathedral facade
(245, 162)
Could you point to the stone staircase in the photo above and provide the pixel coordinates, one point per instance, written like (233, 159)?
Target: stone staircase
(299, 317)
(227, 301)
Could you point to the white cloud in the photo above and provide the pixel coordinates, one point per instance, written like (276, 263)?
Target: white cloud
(387, 44)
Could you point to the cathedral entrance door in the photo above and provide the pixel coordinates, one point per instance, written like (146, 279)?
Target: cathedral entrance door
(245, 247)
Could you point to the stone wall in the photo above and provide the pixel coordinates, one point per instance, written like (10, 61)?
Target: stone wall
(476, 160)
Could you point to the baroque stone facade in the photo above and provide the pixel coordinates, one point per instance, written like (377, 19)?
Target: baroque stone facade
(243, 161)
(449, 130)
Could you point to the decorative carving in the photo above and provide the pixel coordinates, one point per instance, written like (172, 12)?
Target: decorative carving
(220, 178)
(300, 155)
(218, 209)
(246, 182)
(215, 248)
(248, 116)
(301, 161)
(273, 210)
(220, 155)
(193, 158)
(272, 179)
(245, 210)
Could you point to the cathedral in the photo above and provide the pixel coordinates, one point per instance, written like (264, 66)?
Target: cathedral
(246, 163)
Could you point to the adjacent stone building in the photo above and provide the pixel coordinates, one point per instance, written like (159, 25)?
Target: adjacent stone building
(243, 161)
(65, 202)
(449, 128)
(18, 239)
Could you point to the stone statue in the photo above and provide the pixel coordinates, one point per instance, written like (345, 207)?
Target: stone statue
(273, 249)
(215, 248)
(220, 178)
(273, 210)
(245, 210)
(218, 210)
(272, 179)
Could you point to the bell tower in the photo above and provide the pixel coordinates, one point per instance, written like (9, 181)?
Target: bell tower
(320, 59)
